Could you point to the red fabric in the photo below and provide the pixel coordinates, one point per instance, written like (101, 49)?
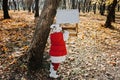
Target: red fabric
(55, 66)
(58, 47)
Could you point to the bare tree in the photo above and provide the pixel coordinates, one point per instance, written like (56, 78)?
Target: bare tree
(111, 14)
(102, 7)
(15, 5)
(5, 9)
(36, 8)
(0, 4)
(41, 34)
(73, 4)
(29, 4)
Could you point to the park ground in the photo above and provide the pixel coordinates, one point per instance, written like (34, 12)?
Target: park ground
(94, 54)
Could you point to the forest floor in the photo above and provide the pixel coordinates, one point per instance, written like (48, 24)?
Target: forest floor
(94, 54)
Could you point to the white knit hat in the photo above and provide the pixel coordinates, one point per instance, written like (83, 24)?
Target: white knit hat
(54, 25)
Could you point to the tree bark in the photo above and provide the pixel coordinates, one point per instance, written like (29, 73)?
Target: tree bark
(79, 6)
(15, 5)
(5, 9)
(111, 14)
(29, 4)
(36, 8)
(94, 8)
(73, 4)
(84, 6)
(41, 34)
(118, 7)
(102, 8)
(64, 3)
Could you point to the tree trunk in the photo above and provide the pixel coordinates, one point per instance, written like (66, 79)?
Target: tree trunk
(29, 4)
(88, 6)
(64, 4)
(5, 9)
(41, 34)
(73, 4)
(36, 8)
(118, 7)
(15, 5)
(84, 6)
(94, 8)
(79, 8)
(102, 8)
(18, 7)
(111, 14)
(68, 6)
(23, 5)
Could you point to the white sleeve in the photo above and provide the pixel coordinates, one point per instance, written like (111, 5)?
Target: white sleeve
(65, 35)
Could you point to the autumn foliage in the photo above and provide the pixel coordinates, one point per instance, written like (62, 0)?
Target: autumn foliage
(93, 53)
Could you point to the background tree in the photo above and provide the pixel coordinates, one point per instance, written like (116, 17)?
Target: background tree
(118, 6)
(102, 7)
(73, 4)
(36, 8)
(29, 4)
(5, 9)
(41, 34)
(79, 6)
(15, 5)
(111, 14)
(0, 6)
(64, 4)
(23, 4)
(94, 7)
(85, 5)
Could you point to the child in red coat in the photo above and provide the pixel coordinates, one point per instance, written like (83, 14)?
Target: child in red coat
(58, 48)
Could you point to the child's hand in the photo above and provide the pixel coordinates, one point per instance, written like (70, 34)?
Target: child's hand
(66, 35)
(66, 32)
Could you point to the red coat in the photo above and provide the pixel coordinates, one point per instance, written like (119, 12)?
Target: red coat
(58, 47)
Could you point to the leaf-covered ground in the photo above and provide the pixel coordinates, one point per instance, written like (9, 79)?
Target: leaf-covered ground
(93, 55)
